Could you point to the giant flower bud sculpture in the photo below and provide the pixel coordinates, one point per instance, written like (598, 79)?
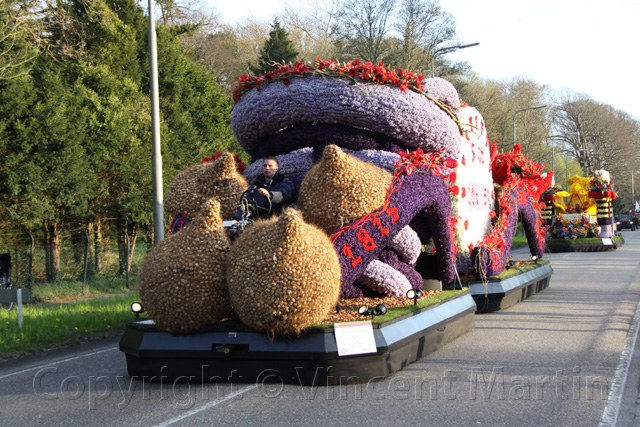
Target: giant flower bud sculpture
(426, 174)
(374, 112)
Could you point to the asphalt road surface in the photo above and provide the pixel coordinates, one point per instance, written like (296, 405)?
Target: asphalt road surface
(565, 357)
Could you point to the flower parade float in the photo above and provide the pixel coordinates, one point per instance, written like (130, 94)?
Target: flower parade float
(585, 222)
(395, 182)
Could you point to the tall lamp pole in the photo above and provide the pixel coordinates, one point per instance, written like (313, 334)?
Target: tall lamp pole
(447, 49)
(633, 194)
(514, 120)
(553, 146)
(158, 213)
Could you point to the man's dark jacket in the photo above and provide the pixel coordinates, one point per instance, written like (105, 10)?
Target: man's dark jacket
(280, 189)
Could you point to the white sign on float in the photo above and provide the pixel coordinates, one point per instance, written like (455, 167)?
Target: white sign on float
(354, 338)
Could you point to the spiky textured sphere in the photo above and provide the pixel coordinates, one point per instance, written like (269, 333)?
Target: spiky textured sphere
(341, 187)
(182, 282)
(219, 179)
(283, 275)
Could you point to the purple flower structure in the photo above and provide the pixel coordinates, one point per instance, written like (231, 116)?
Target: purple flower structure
(442, 90)
(382, 159)
(364, 240)
(295, 163)
(393, 273)
(407, 244)
(384, 279)
(406, 116)
(318, 135)
(391, 258)
(490, 261)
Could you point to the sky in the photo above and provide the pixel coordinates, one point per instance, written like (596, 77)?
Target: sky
(588, 46)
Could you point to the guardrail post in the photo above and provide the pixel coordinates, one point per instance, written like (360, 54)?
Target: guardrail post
(19, 298)
(30, 276)
(86, 260)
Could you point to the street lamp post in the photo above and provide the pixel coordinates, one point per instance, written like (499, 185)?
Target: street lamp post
(447, 49)
(633, 194)
(514, 119)
(156, 159)
(566, 172)
(553, 146)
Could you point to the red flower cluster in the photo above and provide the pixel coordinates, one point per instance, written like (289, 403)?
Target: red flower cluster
(438, 165)
(239, 165)
(517, 168)
(367, 71)
(601, 189)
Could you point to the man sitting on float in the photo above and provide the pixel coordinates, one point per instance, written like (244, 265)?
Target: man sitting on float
(269, 194)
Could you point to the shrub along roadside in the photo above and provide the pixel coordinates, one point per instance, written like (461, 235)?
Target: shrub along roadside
(72, 290)
(54, 325)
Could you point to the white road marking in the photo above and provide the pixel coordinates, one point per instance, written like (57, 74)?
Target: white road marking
(50, 363)
(612, 410)
(207, 406)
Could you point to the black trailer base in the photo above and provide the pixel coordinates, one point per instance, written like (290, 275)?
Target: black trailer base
(561, 245)
(244, 356)
(500, 294)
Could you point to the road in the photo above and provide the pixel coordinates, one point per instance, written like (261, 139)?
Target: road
(566, 356)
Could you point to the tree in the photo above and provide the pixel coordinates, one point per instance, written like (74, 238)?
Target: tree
(423, 27)
(20, 28)
(277, 49)
(364, 27)
(47, 178)
(532, 126)
(313, 30)
(75, 133)
(498, 102)
(602, 138)
(227, 51)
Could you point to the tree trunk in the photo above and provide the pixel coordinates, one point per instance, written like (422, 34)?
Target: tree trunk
(133, 236)
(54, 273)
(121, 254)
(91, 267)
(47, 251)
(78, 245)
(98, 247)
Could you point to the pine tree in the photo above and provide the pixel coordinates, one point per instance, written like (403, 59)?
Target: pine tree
(277, 49)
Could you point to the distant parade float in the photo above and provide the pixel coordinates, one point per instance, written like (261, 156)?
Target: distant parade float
(392, 173)
(584, 222)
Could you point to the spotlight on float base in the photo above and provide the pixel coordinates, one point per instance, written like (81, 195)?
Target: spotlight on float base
(378, 310)
(415, 295)
(137, 308)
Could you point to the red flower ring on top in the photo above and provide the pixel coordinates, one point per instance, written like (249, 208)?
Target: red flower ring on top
(422, 116)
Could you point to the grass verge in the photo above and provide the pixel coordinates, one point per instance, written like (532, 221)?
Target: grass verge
(54, 325)
(73, 290)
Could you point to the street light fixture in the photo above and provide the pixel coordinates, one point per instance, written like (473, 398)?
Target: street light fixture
(447, 49)
(514, 120)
